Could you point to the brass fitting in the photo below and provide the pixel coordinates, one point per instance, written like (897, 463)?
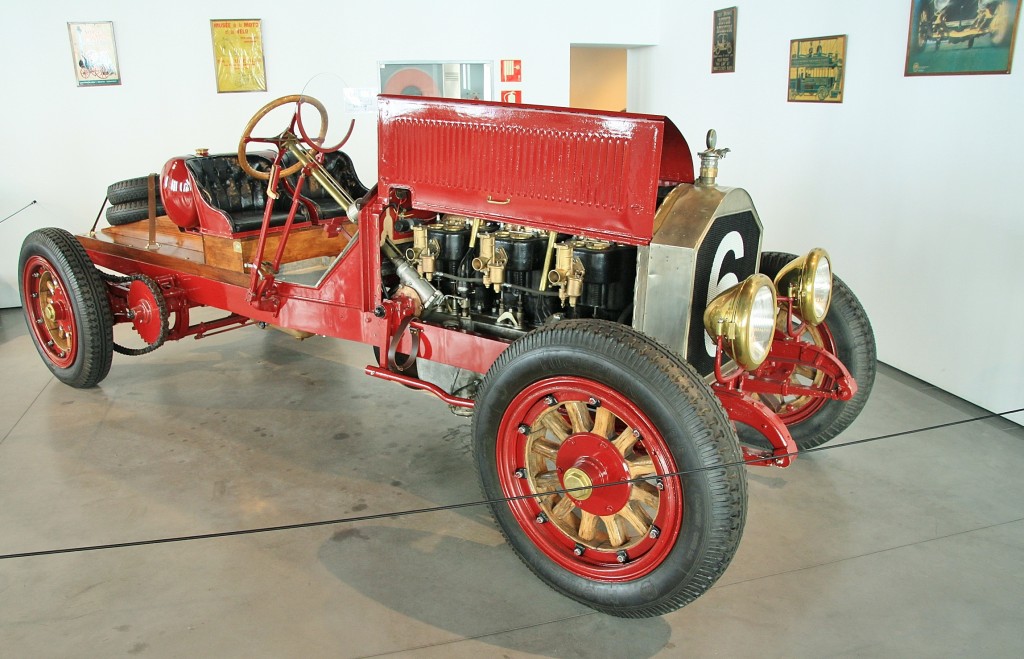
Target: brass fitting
(568, 274)
(491, 263)
(423, 253)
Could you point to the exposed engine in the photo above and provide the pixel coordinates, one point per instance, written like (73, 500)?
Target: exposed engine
(506, 279)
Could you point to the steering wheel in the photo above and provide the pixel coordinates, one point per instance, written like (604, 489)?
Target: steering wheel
(279, 140)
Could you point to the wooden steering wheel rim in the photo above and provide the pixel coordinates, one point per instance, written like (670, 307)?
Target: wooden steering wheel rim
(243, 162)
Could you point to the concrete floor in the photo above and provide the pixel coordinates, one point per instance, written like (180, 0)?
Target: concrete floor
(911, 546)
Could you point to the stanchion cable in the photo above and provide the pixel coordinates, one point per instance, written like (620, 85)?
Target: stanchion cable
(18, 211)
(484, 502)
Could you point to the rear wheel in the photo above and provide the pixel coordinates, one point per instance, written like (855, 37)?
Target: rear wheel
(845, 333)
(66, 307)
(587, 406)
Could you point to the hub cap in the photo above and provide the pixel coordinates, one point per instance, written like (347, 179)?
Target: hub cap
(570, 433)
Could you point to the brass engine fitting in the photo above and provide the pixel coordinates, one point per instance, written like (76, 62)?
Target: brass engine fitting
(709, 160)
(423, 253)
(491, 263)
(568, 274)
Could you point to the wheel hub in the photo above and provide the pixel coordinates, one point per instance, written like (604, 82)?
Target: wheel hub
(586, 460)
(575, 478)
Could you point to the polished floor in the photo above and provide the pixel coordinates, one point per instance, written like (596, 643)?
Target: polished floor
(905, 547)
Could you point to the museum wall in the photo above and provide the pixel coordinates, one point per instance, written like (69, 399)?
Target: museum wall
(66, 144)
(912, 184)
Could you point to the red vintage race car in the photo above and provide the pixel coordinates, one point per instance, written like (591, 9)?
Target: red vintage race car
(605, 314)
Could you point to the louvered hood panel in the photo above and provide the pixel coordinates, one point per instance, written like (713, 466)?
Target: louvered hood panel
(574, 171)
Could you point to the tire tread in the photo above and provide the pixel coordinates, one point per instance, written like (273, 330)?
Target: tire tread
(621, 344)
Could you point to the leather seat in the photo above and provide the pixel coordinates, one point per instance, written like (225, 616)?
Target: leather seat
(241, 198)
(341, 168)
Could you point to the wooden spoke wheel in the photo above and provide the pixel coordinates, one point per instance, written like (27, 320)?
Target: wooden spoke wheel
(66, 307)
(581, 430)
(570, 433)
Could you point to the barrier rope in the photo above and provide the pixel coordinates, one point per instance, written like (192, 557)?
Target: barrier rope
(18, 211)
(483, 502)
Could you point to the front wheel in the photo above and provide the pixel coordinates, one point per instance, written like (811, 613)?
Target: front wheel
(66, 307)
(603, 411)
(847, 334)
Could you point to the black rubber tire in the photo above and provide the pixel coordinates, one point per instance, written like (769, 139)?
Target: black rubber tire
(132, 211)
(692, 424)
(133, 189)
(90, 306)
(855, 345)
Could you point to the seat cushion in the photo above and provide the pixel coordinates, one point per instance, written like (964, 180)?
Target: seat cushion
(226, 187)
(342, 170)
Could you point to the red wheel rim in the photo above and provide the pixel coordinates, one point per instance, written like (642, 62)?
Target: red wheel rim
(49, 312)
(796, 409)
(566, 432)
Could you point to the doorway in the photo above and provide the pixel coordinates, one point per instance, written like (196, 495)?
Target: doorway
(597, 77)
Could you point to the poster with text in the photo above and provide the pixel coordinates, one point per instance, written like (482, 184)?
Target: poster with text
(238, 55)
(723, 50)
(94, 54)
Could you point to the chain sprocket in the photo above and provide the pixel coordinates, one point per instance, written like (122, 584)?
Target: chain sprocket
(154, 307)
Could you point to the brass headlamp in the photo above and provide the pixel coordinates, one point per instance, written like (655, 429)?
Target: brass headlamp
(808, 280)
(744, 316)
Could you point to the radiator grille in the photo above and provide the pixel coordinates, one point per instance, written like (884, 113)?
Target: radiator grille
(748, 235)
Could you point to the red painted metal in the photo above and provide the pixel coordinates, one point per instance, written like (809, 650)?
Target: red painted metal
(416, 383)
(741, 408)
(603, 465)
(176, 192)
(525, 163)
(145, 314)
(594, 564)
(50, 312)
(785, 356)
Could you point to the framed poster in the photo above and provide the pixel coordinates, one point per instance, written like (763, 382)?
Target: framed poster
(723, 49)
(94, 54)
(956, 37)
(470, 80)
(238, 55)
(816, 69)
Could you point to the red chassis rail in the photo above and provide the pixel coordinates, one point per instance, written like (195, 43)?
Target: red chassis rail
(346, 304)
(327, 310)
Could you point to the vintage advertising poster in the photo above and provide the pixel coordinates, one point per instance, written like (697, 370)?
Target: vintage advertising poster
(723, 49)
(816, 68)
(238, 55)
(94, 54)
(953, 37)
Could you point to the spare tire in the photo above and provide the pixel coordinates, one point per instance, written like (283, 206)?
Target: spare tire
(132, 211)
(133, 189)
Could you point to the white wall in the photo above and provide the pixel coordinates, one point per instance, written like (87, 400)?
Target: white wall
(910, 183)
(65, 144)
